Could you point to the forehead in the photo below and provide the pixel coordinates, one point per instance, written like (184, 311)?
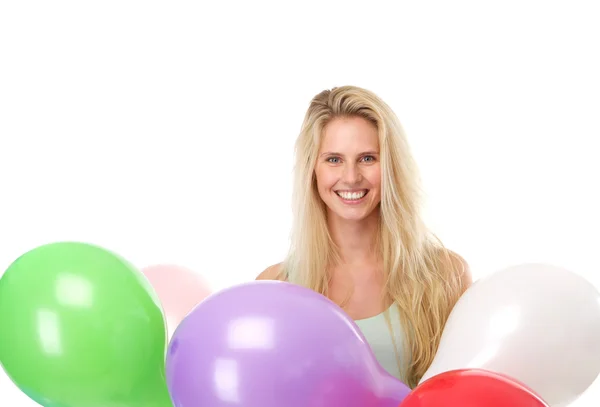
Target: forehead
(350, 135)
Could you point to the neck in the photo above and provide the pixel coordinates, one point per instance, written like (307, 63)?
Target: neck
(355, 239)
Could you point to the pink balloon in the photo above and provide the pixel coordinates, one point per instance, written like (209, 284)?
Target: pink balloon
(179, 290)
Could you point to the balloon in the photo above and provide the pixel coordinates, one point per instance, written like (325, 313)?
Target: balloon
(472, 388)
(537, 323)
(178, 289)
(274, 344)
(80, 327)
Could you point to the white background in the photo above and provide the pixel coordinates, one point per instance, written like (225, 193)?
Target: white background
(164, 130)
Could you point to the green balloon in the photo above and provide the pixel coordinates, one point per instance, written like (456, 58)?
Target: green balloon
(81, 327)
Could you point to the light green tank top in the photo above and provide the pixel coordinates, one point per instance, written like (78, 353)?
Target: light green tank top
(377, 333)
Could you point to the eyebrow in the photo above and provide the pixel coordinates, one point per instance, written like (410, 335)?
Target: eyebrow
(363, 153)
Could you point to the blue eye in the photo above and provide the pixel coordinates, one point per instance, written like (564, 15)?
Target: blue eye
(368, 158)
(331, 160)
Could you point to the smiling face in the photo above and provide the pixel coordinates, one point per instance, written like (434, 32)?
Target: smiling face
(348, 171)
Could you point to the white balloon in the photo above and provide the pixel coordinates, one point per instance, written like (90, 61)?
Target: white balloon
(536, 323)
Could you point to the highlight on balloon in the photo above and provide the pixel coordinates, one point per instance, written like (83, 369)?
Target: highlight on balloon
(83, 327)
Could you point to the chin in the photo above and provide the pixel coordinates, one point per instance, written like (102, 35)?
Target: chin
(353, 215)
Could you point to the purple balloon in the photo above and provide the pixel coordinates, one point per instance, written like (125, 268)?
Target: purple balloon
(275, 344)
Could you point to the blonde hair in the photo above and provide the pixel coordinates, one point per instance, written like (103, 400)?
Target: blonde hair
(419, 280)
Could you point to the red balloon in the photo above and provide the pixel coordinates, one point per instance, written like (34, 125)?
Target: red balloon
(472, 388)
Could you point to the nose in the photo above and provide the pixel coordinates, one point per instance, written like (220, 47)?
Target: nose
(352, 175)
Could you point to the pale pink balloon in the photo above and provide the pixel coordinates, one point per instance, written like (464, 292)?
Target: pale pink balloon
(179, 290)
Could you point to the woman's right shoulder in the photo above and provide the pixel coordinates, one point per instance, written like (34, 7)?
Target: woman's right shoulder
(274, 272)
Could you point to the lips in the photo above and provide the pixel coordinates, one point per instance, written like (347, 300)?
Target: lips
(355, 195)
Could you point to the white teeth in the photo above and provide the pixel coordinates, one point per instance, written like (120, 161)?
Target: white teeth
(352, 196)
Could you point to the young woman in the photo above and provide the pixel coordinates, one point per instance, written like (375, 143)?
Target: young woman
(358, 237)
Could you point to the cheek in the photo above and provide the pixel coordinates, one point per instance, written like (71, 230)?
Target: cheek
(374, 177)
(326, 178)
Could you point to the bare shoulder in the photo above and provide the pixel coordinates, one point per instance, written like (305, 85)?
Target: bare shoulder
(459, 264)
(274, 272)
